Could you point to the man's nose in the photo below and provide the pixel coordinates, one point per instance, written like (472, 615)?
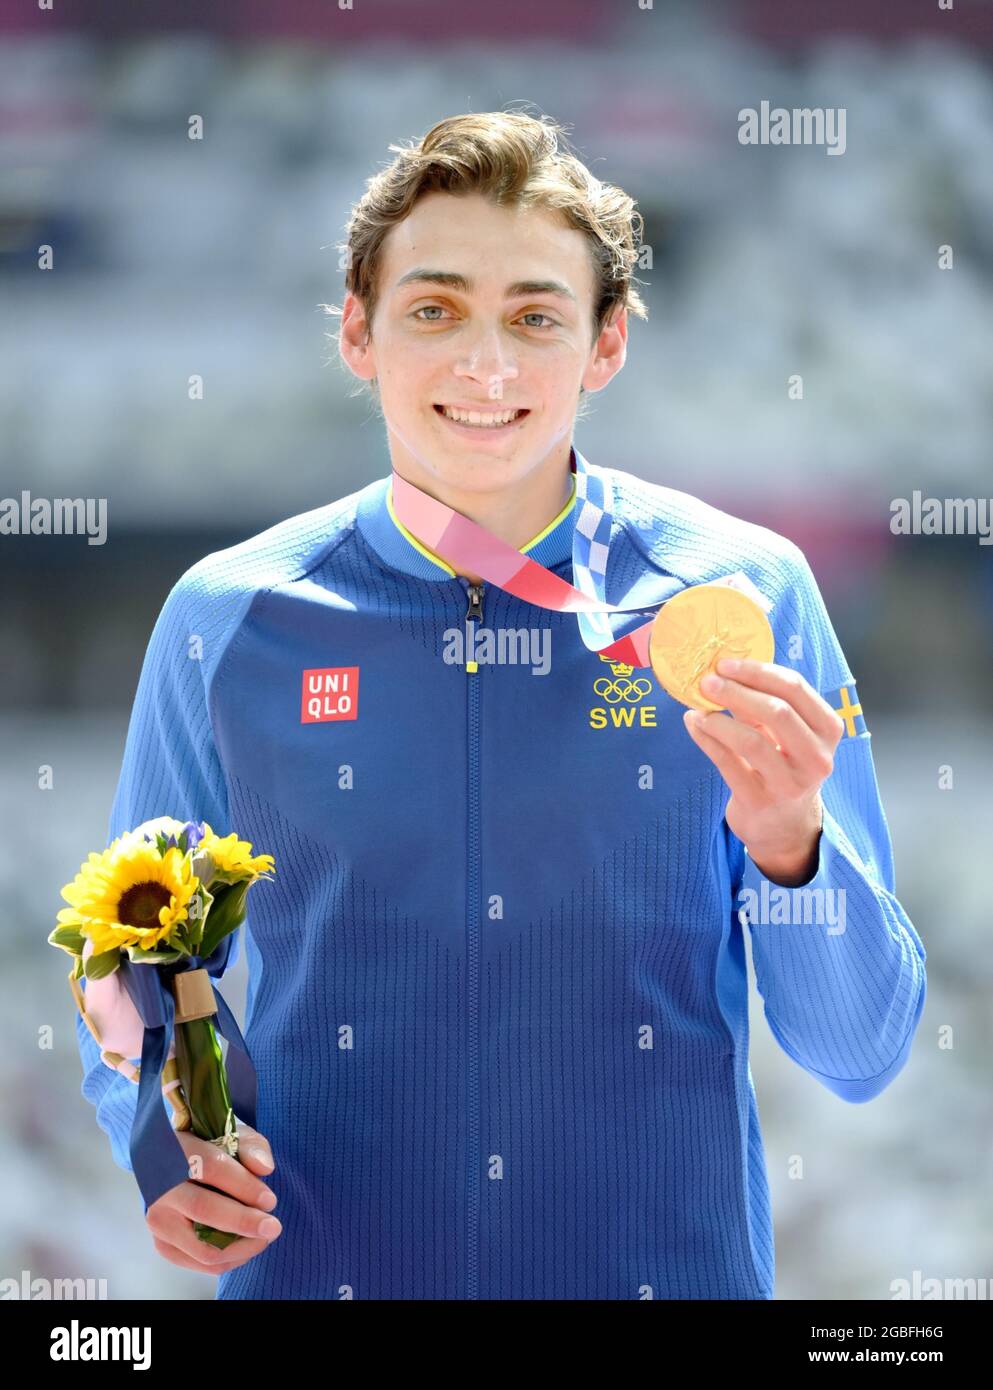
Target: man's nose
(489, 361)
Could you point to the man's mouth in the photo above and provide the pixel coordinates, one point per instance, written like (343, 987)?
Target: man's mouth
(481, 419)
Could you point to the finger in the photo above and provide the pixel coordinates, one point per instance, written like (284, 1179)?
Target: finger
(775, 777)
(177, 1255)
(172, 1229)
(737, 773)
(790, 686)
(223, 1213)
(213, 1166)
(254, 1150)
(779, 723)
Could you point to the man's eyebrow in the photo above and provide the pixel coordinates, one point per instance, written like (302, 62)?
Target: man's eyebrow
(458, 282)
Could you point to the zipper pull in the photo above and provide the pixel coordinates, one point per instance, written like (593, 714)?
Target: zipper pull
(475, 609)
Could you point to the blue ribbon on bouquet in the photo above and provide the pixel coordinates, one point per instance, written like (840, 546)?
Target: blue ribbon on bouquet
(158, 1158)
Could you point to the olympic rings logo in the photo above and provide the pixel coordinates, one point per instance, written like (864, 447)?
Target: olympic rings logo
(613, 691)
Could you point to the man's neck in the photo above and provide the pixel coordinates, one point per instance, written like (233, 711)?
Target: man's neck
(515, 515)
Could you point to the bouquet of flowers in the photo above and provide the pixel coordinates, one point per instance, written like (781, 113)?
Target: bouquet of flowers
(166, 896)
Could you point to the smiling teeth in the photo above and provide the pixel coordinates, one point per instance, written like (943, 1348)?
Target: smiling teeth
(476, 417)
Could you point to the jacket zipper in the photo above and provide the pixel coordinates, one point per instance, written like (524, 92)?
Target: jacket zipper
(474, 614)
(475, 592)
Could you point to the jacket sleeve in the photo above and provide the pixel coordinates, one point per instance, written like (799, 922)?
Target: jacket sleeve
(170, 768)
(841, 970)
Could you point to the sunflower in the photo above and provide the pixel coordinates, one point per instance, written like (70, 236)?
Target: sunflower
(233, 857)
(129, 895)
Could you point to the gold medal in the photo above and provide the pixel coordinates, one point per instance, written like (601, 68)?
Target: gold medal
(694, 630)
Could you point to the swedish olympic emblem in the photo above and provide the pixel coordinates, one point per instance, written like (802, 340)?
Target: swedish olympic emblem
(621, 688)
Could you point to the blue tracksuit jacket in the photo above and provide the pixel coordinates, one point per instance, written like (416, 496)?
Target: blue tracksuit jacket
(498, 989)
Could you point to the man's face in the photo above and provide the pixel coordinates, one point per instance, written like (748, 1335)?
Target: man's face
(512, 334)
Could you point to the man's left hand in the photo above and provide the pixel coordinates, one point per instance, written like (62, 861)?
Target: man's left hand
(774, 755)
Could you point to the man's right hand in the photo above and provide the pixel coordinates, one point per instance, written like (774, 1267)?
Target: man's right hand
(244, 1212)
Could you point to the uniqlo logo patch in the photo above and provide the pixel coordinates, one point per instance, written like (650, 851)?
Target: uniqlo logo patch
(330, 692)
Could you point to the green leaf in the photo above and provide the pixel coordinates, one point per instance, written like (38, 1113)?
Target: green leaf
(69, 938)
(225, 916)
(98, 967)
(154, 957)
(194, 925)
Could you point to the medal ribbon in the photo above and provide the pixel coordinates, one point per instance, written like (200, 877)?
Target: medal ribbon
(464, 544)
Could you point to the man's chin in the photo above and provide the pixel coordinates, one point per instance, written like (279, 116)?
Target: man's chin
(469, 471)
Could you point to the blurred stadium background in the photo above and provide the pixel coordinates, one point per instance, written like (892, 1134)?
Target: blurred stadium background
(175, 257)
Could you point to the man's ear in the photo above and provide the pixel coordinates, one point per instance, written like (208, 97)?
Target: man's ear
(355, 339)
(609, 352)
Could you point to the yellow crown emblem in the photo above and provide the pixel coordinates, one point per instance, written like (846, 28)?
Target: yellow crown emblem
(619, 668)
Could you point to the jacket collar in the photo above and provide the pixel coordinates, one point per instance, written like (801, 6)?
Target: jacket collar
(396, 547)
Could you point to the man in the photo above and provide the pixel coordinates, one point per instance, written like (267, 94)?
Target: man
(498, 994)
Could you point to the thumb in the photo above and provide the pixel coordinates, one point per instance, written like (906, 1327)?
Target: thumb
(253, 1149)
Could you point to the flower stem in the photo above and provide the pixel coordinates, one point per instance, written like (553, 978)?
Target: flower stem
(205, 1085)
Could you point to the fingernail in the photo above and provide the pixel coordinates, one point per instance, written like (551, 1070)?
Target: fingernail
(267, 1200)
(728, 665)
(269, 1226)
(260, 1157)
(711, 683)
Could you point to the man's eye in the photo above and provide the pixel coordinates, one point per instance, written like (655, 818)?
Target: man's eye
(534, 314)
